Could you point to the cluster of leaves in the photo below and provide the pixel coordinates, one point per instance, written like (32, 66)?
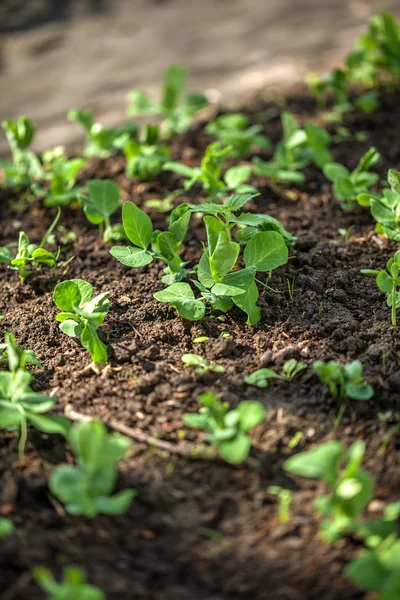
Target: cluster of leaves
(102, 141)
(20, 406)
(388, 281)
(297, 149)
(233, 130)
(30, 254)
(209, 173)
(81, 315)
(261, 377)
(73, 585)
(347, 185)
(228, 430)
(149, 244)
(62, 175)
(99, 204)
(219, 280)
(85, 488)
(344, 380)
(145, 156)
(386, 208)
(25, 166)
(175, 109)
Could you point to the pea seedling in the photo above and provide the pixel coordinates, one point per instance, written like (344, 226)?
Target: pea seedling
(81, 315)
(347, 185)
(15, 356)
(20, 406)
(25, 165)
(177, 111)
(102, 141)
(388, 281)
(73, 585)
(386, 208)
(85, 488)
(30, 253)
(202, 365)
(233, 130)
(145, 156)
(63, 189)
(228, 429)
(260, 377)
(350, 487)
(100, 204)
(209, 173)
(149, 244)
(344, 380)
(285, 498)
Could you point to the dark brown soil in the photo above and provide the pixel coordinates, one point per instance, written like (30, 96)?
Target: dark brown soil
(205, 530)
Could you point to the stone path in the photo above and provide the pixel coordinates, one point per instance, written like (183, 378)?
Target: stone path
(98, 50)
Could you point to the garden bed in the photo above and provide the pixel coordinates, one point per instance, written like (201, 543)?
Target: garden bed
(204, 529)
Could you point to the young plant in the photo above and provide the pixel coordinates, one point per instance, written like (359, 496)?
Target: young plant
(6, 527)
(102, 141)
(285, 499)
(344, 380)
(350, 487)
(386, 208)
(347, 185)
(30, 254)
(81, 315)
(202, 365)
(85, 488)
(297, 149)
(233, 130)
(149, 244)
(15, 356)
(63, 189)
(388, 281)
(20, 407)
(102, 201)
(209, 173)
(73, 585)
(228, 429)
(176, 110)
(145, 156)
(25, 165)
(260, 377)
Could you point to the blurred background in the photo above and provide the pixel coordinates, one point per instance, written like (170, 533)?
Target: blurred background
(62, 54)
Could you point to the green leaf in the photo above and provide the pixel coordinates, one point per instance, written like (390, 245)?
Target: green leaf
(71, 328)
(117, 504)
(248, 303)
(235, 176)
(251, 413)
(367, 572)
(92, 343)
(137, 225)
(131, 257)
(67, 295)
(103, 200)
(181, 297)
(237, 201)
(266, 251)
(50, 423)
(236, 450)
(384, 282)
(320, 463)
(204, 271)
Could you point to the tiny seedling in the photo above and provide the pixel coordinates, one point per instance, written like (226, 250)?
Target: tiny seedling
(201, 364)
(228, 429)
(344, 380)
(285, 499)
(176, 109)
(15, 356)
(201, 339)
(145, 157)
(85, 488)
(30, 254)
(350, 487)
(209, 173)
(102, 201)
(297, 149)
(388, 281)
(63, 189)
(25, 165)
(6, 527)
(149, 244)
(102, 141)
(81, 315)
(20, 407)
(233, 130)
(73, 585)
(348, 184)
(386, 208)
(260, 378)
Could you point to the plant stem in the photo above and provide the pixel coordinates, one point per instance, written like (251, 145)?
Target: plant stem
(394, 316)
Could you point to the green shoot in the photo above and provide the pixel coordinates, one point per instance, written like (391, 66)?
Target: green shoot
(145, 156)
(176, 109)
(285, 499)
(85, 488)
(228, 430)
(73, 585)
(25, 165)
(100, 204)
(203, 366)
(386, 208)
(81, 315)
(260, 378)
(15, 356)
(388, 281)
(233, 130)
(344, 380)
